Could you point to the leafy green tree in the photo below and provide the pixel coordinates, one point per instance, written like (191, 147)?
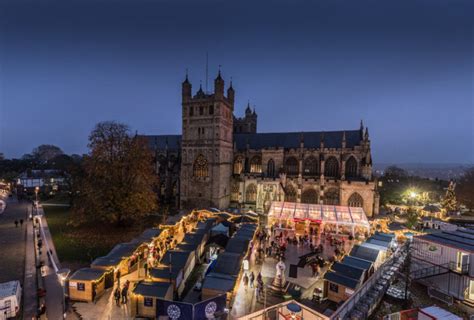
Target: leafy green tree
(118, 181)
(46, 152)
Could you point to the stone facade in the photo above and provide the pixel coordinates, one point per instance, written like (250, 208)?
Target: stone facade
(220, 161)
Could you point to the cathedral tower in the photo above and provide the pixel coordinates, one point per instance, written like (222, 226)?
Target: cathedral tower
(206, 146)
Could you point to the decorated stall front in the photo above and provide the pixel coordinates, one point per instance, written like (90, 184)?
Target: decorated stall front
(86, 284)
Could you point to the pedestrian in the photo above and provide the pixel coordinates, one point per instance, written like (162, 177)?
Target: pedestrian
(117, 296)
(252, 278)
(124, 294)
(117, 276)
(16, 223)
(246, 281)
(21, 222)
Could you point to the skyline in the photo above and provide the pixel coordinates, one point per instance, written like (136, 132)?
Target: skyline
(405, 69)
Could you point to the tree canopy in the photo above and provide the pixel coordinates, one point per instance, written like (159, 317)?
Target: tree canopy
(46, 152)
(117, 185)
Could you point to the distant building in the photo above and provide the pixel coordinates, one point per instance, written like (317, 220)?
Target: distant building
(221, 161)
(43, 179)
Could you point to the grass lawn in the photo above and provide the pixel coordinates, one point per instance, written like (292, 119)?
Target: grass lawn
(79, 246)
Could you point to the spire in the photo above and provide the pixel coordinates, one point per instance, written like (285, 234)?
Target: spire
(322, 140)
(219, 85)
(248, 111)
(361, 125)
(366, 136)
(343, 139)
(186, 80)
(219, 77)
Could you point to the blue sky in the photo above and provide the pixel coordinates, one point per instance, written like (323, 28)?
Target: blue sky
(404, 67)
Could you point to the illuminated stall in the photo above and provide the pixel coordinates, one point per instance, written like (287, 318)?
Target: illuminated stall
(301, 217)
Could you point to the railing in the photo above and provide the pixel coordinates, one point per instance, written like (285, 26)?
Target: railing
(350, 303)
(430, 271)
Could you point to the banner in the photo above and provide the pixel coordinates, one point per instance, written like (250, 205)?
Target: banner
(210, 309)
(174, 310)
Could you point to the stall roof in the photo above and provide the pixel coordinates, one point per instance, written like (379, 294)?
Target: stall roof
(149, 234)
(178, 258)
(194, 238)
(237, 245)
(106, 261)
(365, 253)
(164, 272)
(228, 263)
(341, 280)
(373, 246)
(152, 289)
(348, 271)
(460, 240)
(317, 212)
(439, 313)
(123, 250)
(87, 274)
(9, 288)
(384, 234)
(381, 243)
(382, 237)
(186, 246)
(357, 262)
(220, 228)
(219, 282)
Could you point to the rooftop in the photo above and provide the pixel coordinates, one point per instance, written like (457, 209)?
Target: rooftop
(365, 253)
(87, 274)
(338, 278)
(453, 239)
(152, 289)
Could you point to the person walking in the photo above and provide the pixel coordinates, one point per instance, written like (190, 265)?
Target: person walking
(117, 296)
(246, 281)
(252, 278)
(21, 222)
(124, 294)
(16, 223)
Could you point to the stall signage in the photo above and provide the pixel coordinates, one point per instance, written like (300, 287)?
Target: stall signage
(148, 302)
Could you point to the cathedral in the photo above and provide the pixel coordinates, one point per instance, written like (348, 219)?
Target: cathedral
(221, 161)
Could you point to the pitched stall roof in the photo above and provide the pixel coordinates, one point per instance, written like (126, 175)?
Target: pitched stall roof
(152, 289)
(348, 271)
(219, 282)
(228, 263)
(176, 258)
(165, 272)
(338, 278)
(357, 262)
(87, 274)
(364, 253)
(148, 235)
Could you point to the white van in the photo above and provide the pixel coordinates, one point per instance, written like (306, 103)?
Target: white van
(10, 299)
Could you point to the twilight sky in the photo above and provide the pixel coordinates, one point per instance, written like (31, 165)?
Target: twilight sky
(404, 67)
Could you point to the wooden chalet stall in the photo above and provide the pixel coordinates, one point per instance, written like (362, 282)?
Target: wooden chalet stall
(342, 280)
(144, 295)
(86, 284)
(373, 255)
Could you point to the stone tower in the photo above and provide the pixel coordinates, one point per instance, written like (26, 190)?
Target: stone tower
(207, 153)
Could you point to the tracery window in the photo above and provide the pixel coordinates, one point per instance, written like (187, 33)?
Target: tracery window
(331, 167)
(331, 196)
(256, 164)
(291, 166)
(238, 165)
(200, 168)
(234, 196)
(271, 168)
(311, 166)
(251, 193)
(351, 167)
(309, 196)
(355, 200)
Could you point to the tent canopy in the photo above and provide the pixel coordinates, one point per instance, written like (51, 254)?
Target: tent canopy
(341, 215)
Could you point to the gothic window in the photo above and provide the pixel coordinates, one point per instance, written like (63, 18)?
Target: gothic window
(309, 196)
(355, 200)
(234, 196)
(351, 167)
(201, 111)
(271, 168)
(191, 111)
(251, 193)
(238, 165)
(200, 168)
(256, 164)
(290, 195)
(291, 166)
(311, 166)
(211, 109)
(331, 167)
(331, 196)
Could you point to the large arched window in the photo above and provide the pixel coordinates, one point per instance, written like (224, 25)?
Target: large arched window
(309, 196)
(238, 165)
(271, 168)
(355, 200)
(256, 164)
(200, 167)
(351, 167)
(331, 167)
(331, 196)
(291, 166)
(290, 194)
(311, 166)
(251, 193)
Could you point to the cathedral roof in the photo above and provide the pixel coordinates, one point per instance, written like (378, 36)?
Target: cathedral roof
(332, 139)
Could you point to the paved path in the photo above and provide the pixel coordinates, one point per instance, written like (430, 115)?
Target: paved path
(30, 287)
(12, 241)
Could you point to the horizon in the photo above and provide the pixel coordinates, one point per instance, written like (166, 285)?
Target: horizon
(404, 68)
